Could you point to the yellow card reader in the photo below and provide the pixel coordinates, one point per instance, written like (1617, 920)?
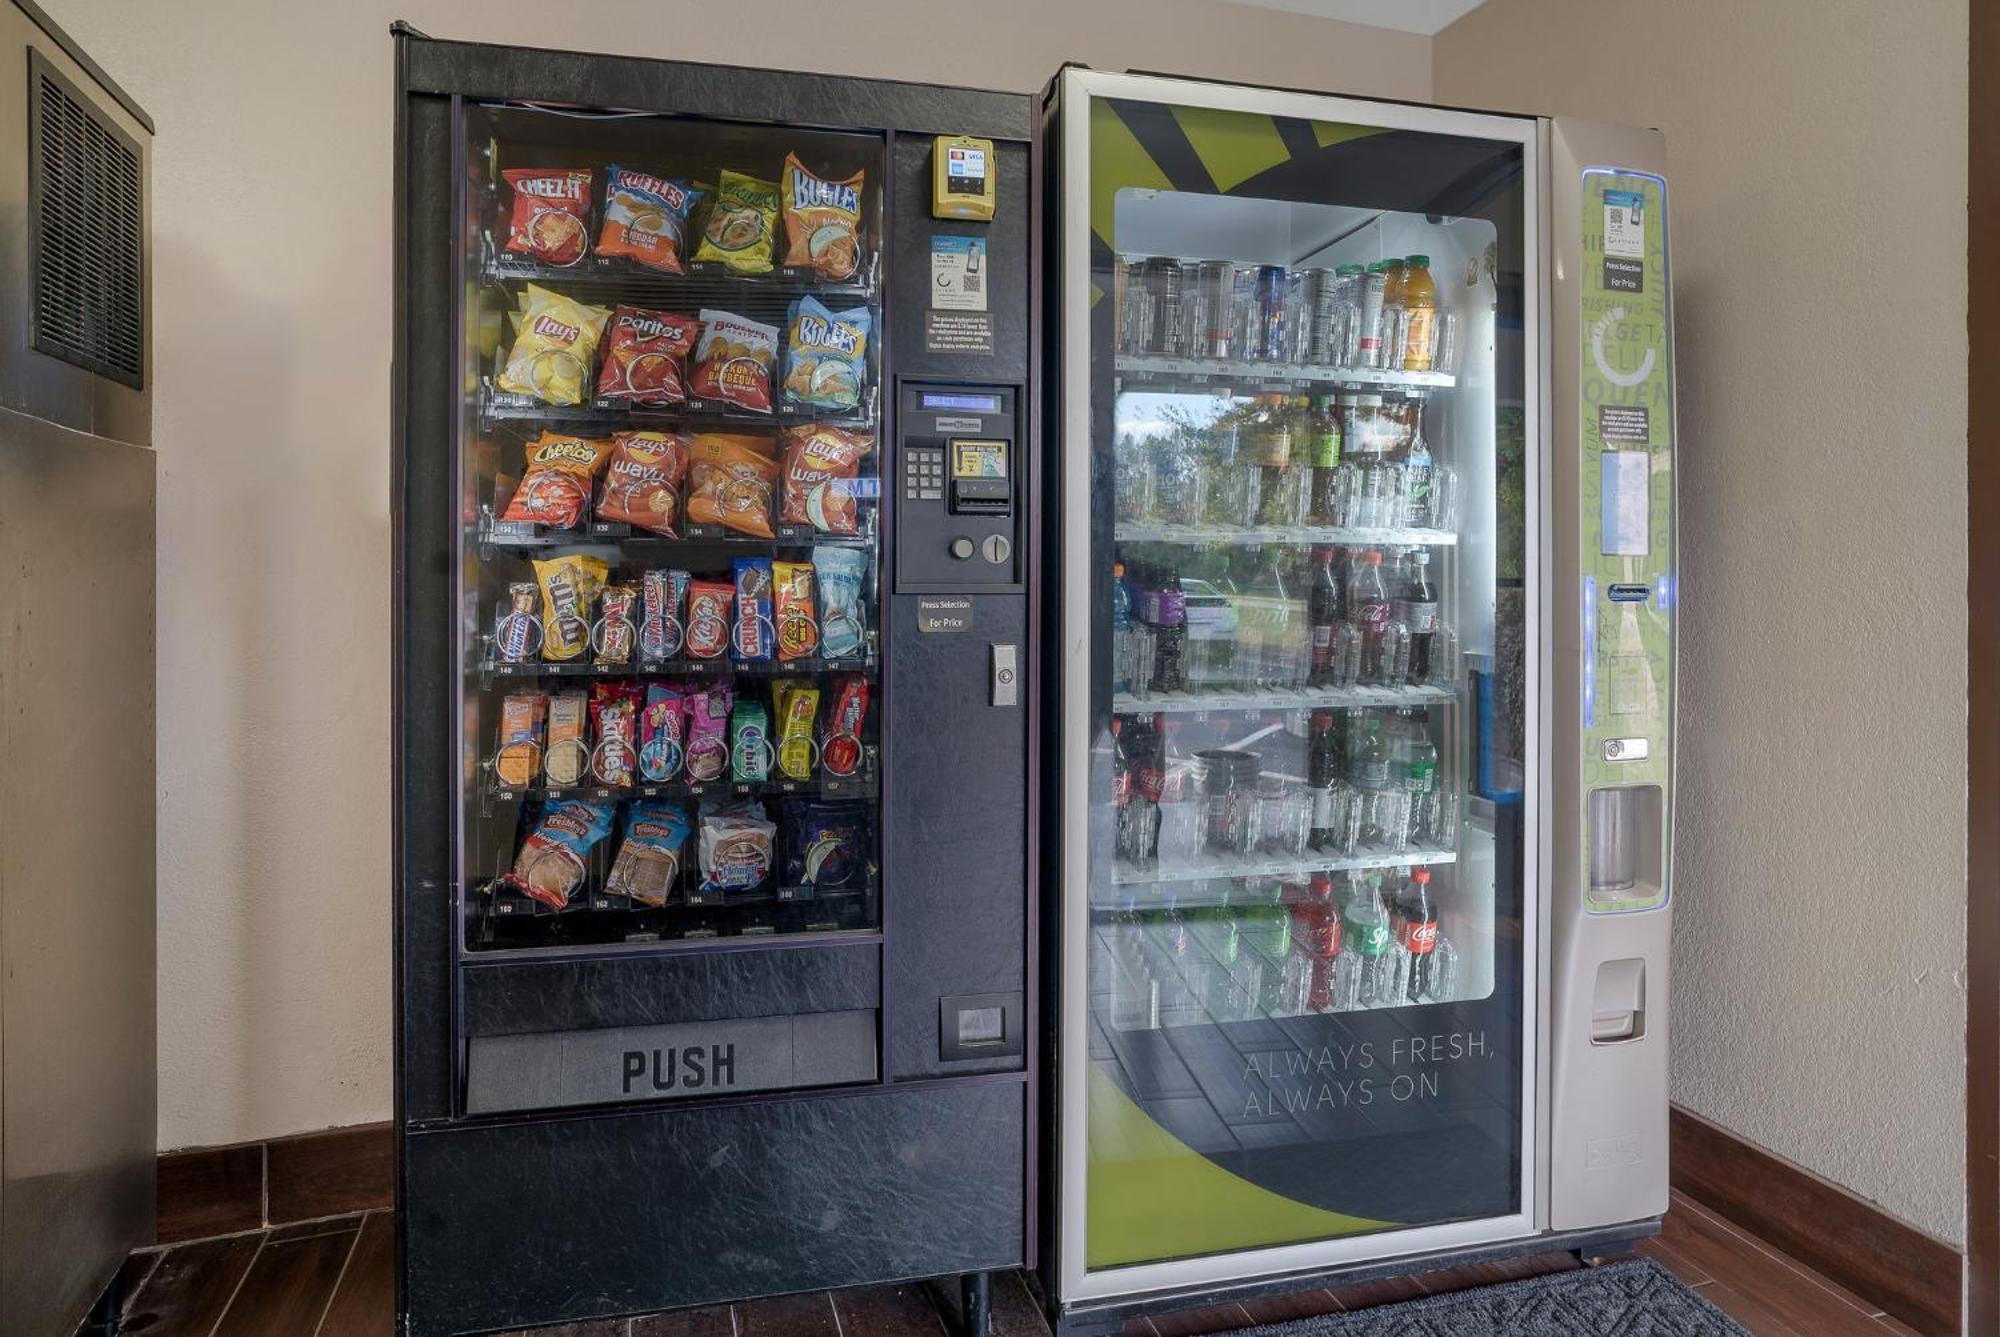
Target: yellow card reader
(962, 178)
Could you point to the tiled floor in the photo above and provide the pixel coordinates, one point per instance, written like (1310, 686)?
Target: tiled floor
(334, 1279)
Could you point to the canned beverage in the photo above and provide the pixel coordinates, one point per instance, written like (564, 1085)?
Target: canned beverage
(1322, 304)
(1298, 316)
(1209, 312)
(1444, 336)
(1346, 314)
(1267, 319)
(1163, 296)
(1242, 311)
(1121, 304)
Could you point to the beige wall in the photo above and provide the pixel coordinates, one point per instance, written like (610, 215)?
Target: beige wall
(272, 198)
(1817, 206)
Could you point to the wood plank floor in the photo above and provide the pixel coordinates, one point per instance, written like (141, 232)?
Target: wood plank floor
(334, 1279)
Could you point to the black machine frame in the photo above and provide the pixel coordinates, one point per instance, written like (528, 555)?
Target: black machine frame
(639, 1204)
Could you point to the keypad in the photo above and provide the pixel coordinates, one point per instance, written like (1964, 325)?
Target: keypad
(923, 473)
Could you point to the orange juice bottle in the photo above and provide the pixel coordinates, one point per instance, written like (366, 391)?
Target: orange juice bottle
(1419, 303)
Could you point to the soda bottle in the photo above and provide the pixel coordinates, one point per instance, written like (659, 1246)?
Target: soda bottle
(1323, 614)
(1121, 631)
(1368, 607)
(1416, 608)
(1170, 636)
(1324, 785)
(1324, 457)
(1279, 630)
(1418, 294)
(1364, 941)
(1419, 765)
(1417, 931)
(1369, 773)
(1419, 475)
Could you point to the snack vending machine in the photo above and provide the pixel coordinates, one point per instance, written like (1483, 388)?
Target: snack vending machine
(1363, 531)
(715, 469)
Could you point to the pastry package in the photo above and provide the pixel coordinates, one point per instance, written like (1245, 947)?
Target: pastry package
(550, 218)
(570, 586)
(555, 487)
(555, 857)
(649, 859)
(554, 347)
(822, 221)
(731, 480)
(792, 612)
(567, 758)
(646, 218)
(642, 481)
(839, 575)
(733, 360)
(736, 847)
(752, 641)
(821, 479)
(741, 225)
(662, 734)
(826, 356)
(518, 759)
(646, 361)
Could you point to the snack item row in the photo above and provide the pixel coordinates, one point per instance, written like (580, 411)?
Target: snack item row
(620, 734)
(737, 849)
(646, 218)
(731, 480)
(762, 611)
(646, 362)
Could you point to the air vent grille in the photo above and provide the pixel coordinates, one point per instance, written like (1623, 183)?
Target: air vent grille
(86, 224)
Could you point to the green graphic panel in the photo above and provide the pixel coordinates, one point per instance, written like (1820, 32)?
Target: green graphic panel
(1152, 1196)
(1627, 506)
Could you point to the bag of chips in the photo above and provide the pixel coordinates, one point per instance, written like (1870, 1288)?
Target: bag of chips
(826, 357)
(568, 757)
(645, 218)
(730, 482)
(555, 857)
(840, 573)
(741, 225)
(822, 221)
(570, 586)
(555, 488)
(709, 605)
(733, 361)
(797, 703)
(551, 207)
(646, 361)
(552, 354)
(518, 760)
(662, 734)
(736, 845)
(708, 728)
(749, 743)
(792, 609)
(826, 845)
(755, 632)
(642, 483)
(649, 859)
(822, 466)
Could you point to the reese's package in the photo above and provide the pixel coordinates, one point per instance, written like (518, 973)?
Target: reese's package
(555, 486)
(733, 360)
(642, 481)
(645, 218)
(730, 482)
(822, 469)
(549, 221)
(792, 614)
(741, 225)
(826, 356)
(822, 221)
(646, 361)
(553, 349)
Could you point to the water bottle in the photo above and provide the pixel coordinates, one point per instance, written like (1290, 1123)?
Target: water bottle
(1418, 471)
(1369, 773)
(1121, 631)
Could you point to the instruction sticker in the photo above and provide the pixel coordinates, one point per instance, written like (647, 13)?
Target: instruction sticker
(958, 273)
(1625, 224)
(958, 332)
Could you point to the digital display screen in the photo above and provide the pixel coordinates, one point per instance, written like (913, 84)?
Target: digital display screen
(955, 403)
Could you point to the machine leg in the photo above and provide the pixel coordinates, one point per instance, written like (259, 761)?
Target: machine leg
(976, 1303)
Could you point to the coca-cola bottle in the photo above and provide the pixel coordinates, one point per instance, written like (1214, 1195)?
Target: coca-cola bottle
(1417, 931)
(1324, 609)
(1368, 608)
(1417, 609)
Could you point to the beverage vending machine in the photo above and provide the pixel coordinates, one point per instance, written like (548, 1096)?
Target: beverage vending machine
(715, 575)
(1360, 811)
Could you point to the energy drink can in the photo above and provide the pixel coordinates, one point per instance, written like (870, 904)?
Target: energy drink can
(1267, 316)
(1209, 313)
(1164, 303)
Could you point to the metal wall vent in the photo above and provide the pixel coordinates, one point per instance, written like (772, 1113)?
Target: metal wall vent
(86, 222)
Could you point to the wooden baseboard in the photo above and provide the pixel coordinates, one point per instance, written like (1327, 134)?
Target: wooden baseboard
(1911, 1275)
(210, 1191)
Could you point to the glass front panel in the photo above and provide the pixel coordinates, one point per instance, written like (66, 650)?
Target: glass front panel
(1305, 958)
(669, 490)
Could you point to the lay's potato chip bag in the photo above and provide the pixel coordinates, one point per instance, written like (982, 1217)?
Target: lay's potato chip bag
(742, 225)
(554, 348)
(822, 221)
